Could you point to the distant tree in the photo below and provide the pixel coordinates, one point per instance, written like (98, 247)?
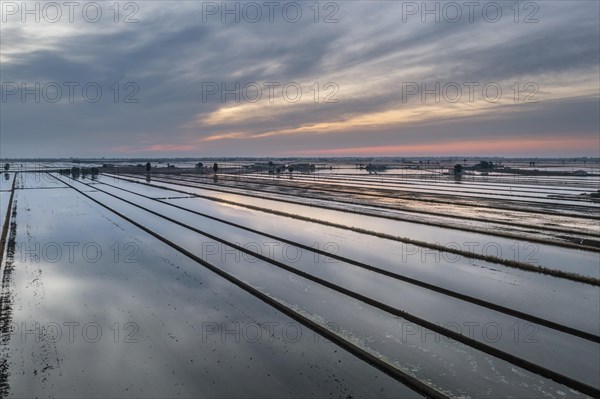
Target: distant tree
(215, 167)
(291, 169)
(148, 167)
(278, 170)
(486, 165)
(6, 166)
(75, 172)
(458, 169)
(199, 165)
(271, 164)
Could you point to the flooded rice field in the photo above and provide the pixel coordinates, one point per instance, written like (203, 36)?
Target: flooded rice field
(408, 283)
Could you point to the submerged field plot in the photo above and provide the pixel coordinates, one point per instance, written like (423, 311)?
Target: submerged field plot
(193, 284)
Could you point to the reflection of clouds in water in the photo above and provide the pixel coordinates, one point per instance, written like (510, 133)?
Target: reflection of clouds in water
(352, 243)
(169, 298)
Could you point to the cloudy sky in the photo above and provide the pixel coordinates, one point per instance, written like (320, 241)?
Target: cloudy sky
(346, 78)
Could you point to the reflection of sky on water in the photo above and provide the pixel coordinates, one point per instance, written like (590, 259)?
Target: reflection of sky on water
(456, 188)
(534, 293)
(168, 297)
(37, 180)
(404, 296)
(375, 330)
(6, 181)
(571, 260)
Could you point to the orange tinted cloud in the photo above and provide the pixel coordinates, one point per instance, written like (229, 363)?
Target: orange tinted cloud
(156, 148)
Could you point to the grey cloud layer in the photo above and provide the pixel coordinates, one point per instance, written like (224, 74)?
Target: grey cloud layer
(171, 52)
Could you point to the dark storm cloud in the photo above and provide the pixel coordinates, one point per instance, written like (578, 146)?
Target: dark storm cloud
(170, 53)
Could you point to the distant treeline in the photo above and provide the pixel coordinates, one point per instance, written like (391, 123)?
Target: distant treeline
(312, 159)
